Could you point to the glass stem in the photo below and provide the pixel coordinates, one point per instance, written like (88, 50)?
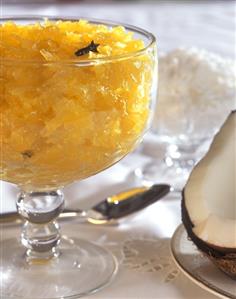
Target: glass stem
(181, 158)
(41, 232)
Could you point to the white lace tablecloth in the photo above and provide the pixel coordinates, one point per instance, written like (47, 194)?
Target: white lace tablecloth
(141, 242)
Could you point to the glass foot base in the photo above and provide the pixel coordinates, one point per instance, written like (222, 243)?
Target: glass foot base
(82, 268)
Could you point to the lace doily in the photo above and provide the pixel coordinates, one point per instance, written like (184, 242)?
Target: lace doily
(147, 254)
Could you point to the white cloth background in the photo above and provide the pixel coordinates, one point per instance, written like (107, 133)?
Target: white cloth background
(204, 24)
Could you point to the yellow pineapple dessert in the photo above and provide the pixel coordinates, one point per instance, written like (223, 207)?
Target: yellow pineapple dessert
(68, 107)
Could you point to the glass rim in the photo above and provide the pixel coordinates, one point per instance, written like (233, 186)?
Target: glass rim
(84, 62)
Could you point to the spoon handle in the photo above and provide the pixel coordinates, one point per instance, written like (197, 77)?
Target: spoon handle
(135, 203)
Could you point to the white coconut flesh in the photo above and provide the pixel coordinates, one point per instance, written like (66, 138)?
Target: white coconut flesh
(210, 194)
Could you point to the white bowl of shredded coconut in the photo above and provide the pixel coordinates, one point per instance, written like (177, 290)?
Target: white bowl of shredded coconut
(197, 90)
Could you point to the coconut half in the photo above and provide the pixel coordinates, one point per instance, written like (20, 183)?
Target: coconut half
(209, 200)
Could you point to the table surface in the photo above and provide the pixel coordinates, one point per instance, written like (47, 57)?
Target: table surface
(204, 24)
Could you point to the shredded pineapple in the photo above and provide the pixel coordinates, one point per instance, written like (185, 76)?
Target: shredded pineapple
(60, 121)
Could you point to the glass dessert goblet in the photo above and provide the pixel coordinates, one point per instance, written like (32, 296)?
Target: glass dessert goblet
(65, 115)
(197, 91)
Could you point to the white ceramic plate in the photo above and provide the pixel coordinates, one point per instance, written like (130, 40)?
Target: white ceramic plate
(199, 268)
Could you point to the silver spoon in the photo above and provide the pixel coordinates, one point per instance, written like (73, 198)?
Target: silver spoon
(110, 209)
